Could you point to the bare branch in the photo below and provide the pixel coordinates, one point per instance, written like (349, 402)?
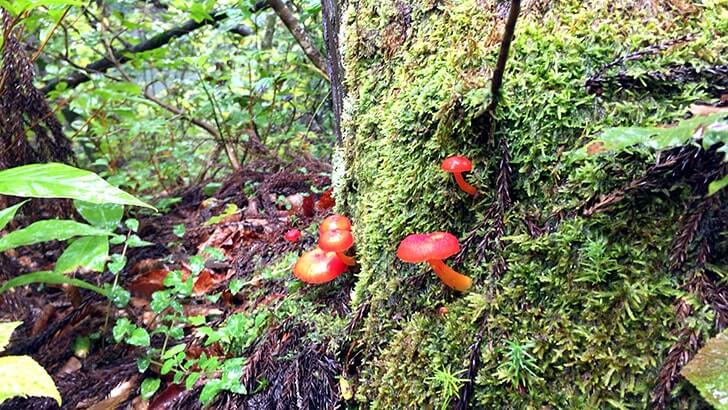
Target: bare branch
(302, 38)
(500, 66)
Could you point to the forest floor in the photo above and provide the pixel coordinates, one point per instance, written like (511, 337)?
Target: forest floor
(250, 235)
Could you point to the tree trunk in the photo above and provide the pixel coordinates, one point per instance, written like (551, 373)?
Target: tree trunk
(572, 306)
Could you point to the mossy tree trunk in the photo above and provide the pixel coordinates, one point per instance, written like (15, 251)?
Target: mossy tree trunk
(575, 306)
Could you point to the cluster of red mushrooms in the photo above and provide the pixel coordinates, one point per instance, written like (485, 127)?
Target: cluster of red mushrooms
(328, 260)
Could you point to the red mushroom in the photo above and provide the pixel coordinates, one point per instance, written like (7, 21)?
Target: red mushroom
(433, 248)
(318, 266)
(335, 221)
(337, 240)
(457, 165)
(292, 235)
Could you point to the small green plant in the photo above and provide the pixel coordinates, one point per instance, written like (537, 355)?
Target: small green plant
(520, 367)
(234, 336)
(21, 376)
(449, 384)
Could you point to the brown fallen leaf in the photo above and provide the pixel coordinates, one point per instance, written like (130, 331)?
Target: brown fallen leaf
(148, 283)
(71, 366)
(117, 395)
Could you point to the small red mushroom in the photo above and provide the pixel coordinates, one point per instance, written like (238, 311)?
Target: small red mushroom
(457, 165)
(318, 266)
(335, 221)
(433, 248)
(292, 235)
(337, 240)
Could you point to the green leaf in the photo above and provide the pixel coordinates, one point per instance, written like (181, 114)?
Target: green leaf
(117, 263)
(6, 330)
(178, 230)
(708, 371)
(143, 364)
(230, 209)
(139, 337)
(7, 214)
(54, 180)
(173, 351)
(135, 241)
(89, 252)
(716, 186)
(149, 387)
(104, 216)
(191, 380)
(52, 278)
(132, 224)
(122, 327)
(49, 230)
(21, 376)
(210, 391)
(167, 366)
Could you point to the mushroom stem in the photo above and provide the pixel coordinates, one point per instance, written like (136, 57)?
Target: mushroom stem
(450, 277)
(464, 185)
(348, 260)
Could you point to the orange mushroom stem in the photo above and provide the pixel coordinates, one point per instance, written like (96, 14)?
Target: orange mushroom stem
(464, 185)
(449, 276)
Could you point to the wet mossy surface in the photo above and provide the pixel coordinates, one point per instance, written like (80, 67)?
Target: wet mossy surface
(592, 299)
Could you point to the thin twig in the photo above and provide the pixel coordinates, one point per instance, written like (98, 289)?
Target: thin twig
(50, 34)
(500, 66)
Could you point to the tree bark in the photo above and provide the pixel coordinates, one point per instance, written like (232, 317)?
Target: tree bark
(557, 326)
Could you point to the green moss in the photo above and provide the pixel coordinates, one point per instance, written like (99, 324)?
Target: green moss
(594, 296)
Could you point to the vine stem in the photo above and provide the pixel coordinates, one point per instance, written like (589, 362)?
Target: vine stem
(116, 282)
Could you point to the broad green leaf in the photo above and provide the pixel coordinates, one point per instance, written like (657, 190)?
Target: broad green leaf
(210, 391)
(50, 278)
(90, 252)
(149, 387)
(105, 216)
(6, 330)
(7, 214)
(49, 230)
(139, 337)
(708, 371)
(21, 376)
(173, 351)
(54, 180)
(711, 128)
(122, 327)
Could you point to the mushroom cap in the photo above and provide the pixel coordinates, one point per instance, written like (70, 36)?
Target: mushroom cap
(335, 221)
(318, 266)
(292, 235)
(457, 163)
(336, 240)
(421, 247)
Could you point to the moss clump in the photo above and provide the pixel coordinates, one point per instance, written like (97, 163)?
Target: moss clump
(591, 300)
